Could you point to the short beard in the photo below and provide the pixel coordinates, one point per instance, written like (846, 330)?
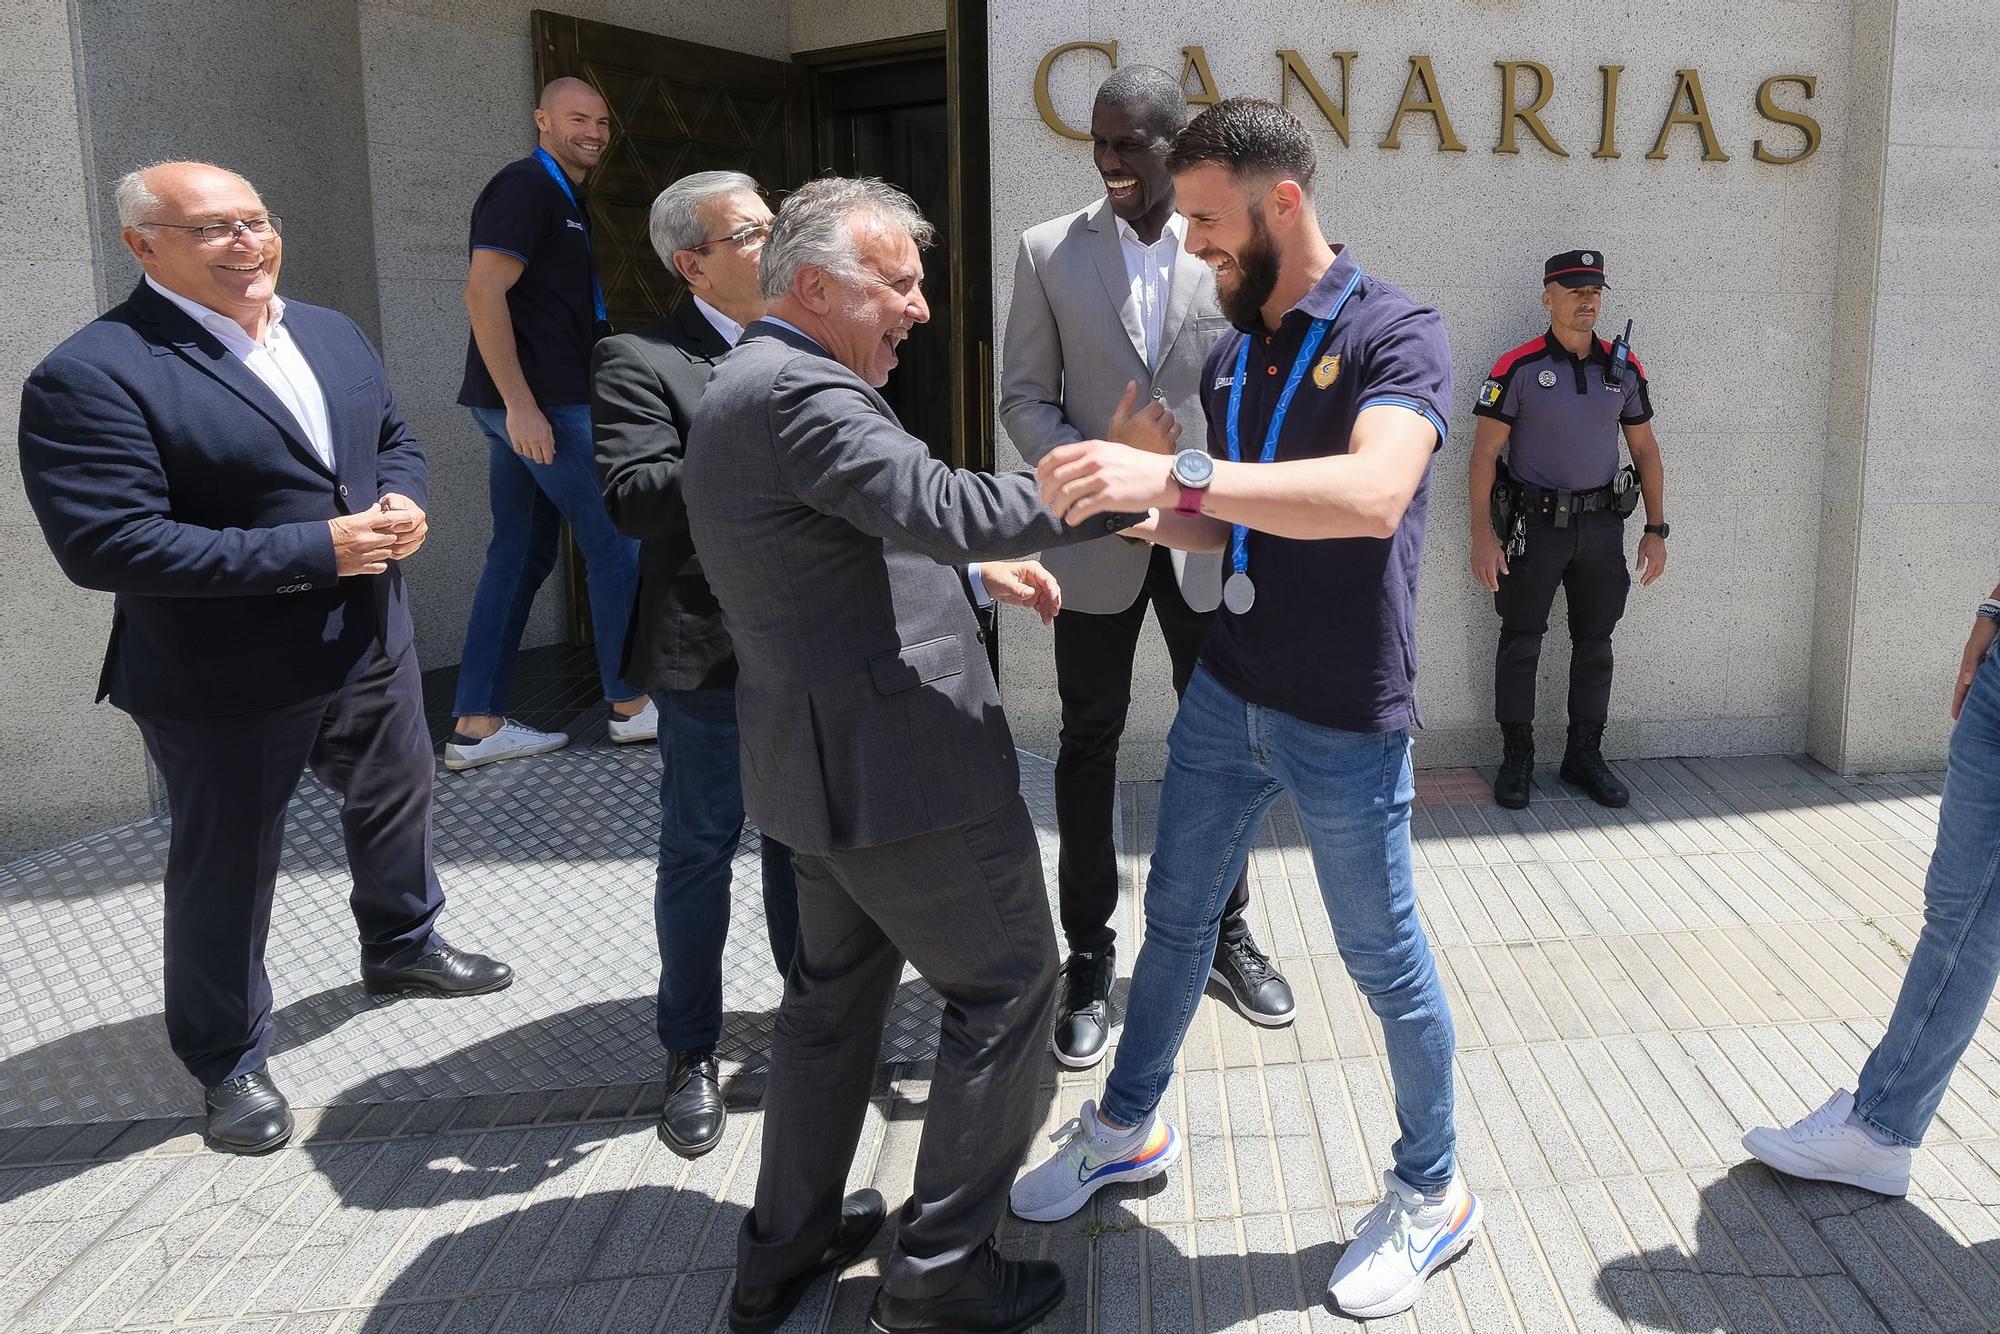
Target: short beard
(1256, 276)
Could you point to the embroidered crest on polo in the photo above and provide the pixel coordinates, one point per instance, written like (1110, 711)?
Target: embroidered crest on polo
(1327, 371)
(1547, 379)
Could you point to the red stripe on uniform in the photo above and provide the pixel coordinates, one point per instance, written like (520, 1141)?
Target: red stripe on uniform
(1502, 367)
(1581, 268)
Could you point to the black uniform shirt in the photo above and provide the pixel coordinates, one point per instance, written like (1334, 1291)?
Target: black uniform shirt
(1565, 417)
(523, 212)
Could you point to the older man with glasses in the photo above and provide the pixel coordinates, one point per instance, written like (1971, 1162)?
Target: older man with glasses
(709, 229)
(235, 469)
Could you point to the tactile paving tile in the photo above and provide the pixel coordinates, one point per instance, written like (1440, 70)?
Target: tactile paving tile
(547, 863)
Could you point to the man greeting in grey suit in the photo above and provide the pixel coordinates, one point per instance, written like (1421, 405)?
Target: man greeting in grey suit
(1107, 298)
(874, 746)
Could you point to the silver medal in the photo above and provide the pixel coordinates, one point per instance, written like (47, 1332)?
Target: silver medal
(1238, 593)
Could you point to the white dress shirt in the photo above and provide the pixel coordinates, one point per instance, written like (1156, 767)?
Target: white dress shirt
(731, 331)
(276, 361)
(1150, 270)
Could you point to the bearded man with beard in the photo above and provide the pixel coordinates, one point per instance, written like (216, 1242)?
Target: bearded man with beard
(1325, 407)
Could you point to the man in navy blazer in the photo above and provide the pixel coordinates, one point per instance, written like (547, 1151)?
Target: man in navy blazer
(235, 469)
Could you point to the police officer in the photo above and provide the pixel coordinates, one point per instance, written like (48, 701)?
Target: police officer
(1555, 406)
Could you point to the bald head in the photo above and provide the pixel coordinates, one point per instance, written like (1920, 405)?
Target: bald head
(573, 124)
(151, 193)
(555, 91)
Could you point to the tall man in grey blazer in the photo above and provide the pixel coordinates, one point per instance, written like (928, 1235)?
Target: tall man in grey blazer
(874, 746)
(1105, 299)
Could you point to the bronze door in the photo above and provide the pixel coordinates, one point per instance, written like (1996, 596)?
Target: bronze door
(676, 107)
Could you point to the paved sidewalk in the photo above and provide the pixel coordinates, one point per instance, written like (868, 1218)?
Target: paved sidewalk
(1631, 989)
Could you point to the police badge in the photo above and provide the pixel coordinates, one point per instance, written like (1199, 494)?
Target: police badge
(1547, 379)
(1327, 371)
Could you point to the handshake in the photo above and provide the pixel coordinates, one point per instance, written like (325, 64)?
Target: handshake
(1128, 471)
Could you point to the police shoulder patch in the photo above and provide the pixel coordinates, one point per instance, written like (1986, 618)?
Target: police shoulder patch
(1489, 393)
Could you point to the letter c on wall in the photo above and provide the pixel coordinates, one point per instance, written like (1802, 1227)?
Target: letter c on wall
(1042, 102)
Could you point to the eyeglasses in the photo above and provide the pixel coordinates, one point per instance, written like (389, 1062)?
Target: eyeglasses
(222, 233)
(746, 235)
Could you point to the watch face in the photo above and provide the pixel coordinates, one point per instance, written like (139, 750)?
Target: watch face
(1193, 467)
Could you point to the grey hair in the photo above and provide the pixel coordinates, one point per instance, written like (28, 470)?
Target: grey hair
(137, 204)
(673, 223)
(811, 228)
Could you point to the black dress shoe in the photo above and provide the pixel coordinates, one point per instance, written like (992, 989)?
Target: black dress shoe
(1260, 991)
(444, 971)
(754, 1310)
(1583, 764)
(1083, 1019)
(993, 1296)
(247, 1114)
(691, 1117)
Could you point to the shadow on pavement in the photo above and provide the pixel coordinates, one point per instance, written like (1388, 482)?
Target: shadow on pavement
(1774, 1252)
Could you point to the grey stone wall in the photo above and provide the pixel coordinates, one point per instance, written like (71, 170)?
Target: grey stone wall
(1732, 271)
(67, 765)
(1923, 487)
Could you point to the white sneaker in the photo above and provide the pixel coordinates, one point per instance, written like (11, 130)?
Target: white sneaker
(1400, 1241)
(641, 726)
(511, 742)
(1090, 1159)
(1826, 1146)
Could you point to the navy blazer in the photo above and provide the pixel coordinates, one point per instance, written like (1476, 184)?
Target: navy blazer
(164, 471)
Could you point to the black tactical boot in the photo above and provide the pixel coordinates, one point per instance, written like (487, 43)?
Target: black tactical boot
(1583, 764)
(1517, 766)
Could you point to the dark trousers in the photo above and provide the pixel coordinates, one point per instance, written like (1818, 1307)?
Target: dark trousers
(701, 820)
(968, 907)
(1094, 681)
(1586, 558)
(229, 781)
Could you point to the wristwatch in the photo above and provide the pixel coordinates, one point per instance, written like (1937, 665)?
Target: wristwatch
(1659, 530)
(1194, 470)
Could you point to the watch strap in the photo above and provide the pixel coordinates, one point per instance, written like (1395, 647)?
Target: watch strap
(1190, 501)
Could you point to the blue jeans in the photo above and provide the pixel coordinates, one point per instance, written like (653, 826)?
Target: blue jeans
(701, 817)
(1957, 959)
(529, 503)
(1227, 761)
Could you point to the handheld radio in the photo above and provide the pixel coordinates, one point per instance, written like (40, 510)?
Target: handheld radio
(1621, 357)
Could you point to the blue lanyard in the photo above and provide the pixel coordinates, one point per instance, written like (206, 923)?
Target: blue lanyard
(1239, 535)
(561, 177)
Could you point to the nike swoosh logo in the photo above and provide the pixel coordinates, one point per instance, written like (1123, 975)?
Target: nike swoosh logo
(1442, 1236)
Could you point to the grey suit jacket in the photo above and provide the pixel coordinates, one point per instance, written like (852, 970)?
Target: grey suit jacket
(865, 706)
(1074, 340)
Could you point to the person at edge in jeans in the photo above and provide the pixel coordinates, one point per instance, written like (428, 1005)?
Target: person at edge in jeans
(1104, 299)
(537, 309)
(709, 228)
(1329, 402)
(1864, 1138)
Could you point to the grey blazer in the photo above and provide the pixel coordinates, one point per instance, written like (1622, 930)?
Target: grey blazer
(1073, 341)
(865, 706)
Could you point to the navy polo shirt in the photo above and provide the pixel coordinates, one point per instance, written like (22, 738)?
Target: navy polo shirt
(1331, 637)
(523, 212)
(1565, 418)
